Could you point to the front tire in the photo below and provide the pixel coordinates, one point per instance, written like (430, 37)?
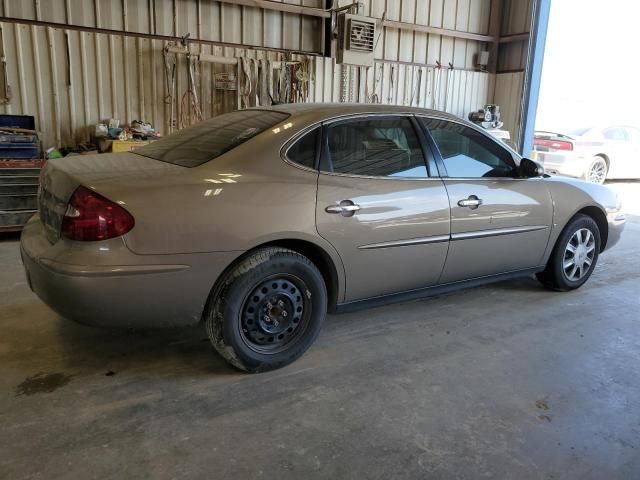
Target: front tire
(598, 169)
(268, 310)
(574, 256)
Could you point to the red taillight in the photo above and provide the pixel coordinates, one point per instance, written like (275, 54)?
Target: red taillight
(553, 144)
(91, 217)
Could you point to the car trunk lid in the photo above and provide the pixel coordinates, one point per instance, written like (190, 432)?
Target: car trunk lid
(60, 178)
(553, 142)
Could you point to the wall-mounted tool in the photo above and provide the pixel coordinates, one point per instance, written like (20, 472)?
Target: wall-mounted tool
(483, 60)
(487, 117)
(190, 112)
(170, 71)
(446, 87)
(435, 98)
(417, 90)
(247, 92)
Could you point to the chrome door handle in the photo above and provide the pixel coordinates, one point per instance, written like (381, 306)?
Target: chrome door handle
(472, 202)
(346, 208)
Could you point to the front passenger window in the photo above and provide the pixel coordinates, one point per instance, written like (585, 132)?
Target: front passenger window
(616, 134)
(467, 153)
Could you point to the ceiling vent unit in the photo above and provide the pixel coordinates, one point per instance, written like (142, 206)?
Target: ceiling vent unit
(356, 39)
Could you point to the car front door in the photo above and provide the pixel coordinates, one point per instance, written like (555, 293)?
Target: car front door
(633, 162)
(619, 148)
(379, 207)
(499, 223)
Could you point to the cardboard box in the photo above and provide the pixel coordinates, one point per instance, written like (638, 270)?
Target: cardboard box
(127, 145)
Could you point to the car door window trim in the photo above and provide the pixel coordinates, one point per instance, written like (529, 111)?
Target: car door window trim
(516, 156)
(427, 149)
(324, 154)
(297, 136)
(438, 156)
(502, 158)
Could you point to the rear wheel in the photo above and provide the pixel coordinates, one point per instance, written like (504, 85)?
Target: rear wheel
(268, 310)
(597, 172)
(574, 256)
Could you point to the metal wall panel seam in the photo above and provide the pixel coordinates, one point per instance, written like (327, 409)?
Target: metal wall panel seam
(7, 106)
(125, 68)
(71, 98)
(20, 68)
(38, 78)
(54, 84)
(112, 76)
(141, 75)
(99, 84)
(85, 82)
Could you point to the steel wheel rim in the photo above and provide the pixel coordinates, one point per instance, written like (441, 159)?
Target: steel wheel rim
(579, 254)
(598, 172)
(275, 313)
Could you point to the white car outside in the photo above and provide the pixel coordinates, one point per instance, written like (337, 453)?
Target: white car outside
(595, 154)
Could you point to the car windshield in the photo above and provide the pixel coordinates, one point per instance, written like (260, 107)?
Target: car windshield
(207, 140)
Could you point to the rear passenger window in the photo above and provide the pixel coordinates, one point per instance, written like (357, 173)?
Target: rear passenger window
(381, 147)
(303, 151)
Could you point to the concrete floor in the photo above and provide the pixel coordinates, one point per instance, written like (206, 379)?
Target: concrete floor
(506, 381)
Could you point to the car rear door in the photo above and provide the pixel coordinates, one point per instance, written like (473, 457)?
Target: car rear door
(499, 222)
(632, 163)
(379, 207)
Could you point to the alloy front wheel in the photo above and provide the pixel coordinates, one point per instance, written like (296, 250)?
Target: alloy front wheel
(579, 254)
(574, 256)
(597, 171)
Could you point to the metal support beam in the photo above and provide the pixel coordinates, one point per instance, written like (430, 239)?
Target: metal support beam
(533, 74)
(516, 37)
(445, 32)
(281, 7)
(319, 12)
(168, 38)
(495, 25)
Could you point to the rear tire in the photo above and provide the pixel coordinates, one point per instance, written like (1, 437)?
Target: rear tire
(267, 311)
(574, 256)
(598, 169)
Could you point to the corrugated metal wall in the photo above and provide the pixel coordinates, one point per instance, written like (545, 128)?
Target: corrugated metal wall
(203, 19)
(512, 61)
(516, 20)
(71, 79)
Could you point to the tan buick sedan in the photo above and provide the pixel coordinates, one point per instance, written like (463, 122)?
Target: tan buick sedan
(259, 221)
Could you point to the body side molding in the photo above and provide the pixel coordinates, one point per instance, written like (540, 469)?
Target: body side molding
(434, 290)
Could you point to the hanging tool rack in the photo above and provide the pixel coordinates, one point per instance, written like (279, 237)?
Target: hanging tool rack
(256, 81)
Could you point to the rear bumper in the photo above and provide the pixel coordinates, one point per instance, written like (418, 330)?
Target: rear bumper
(571, 164)
(136, 291)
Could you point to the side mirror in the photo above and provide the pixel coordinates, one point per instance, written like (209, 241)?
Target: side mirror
(530, 168)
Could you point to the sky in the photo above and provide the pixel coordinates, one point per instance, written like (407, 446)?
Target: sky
(591, 69)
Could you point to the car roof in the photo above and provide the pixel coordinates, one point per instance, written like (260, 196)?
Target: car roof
(328, 110)
(307, 114)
